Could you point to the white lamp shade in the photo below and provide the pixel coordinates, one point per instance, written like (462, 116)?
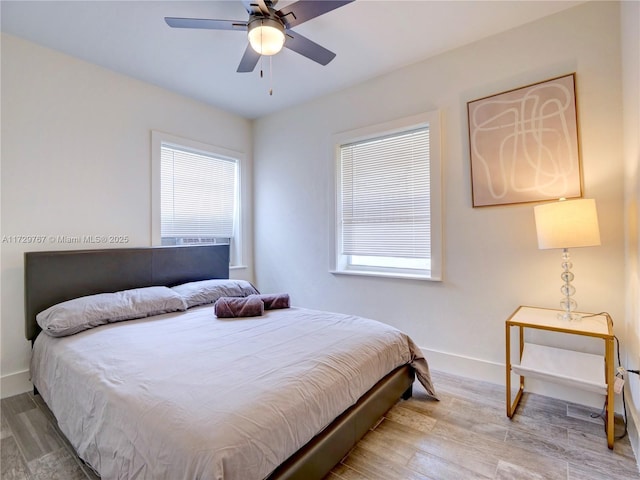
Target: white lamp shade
(567, 224)
(266, 38)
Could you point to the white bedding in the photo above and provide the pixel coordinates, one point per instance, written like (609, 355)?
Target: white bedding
(189, 396)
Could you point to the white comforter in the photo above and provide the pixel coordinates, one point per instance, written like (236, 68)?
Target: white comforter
(190, 396)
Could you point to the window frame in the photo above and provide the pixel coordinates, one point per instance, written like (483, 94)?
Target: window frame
(158, 139)
(339, 262)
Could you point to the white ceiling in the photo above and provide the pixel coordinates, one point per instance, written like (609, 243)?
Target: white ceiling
(370, 38)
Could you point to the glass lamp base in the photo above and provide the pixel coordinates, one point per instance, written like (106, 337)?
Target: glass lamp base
(568, 304)
(569, 316)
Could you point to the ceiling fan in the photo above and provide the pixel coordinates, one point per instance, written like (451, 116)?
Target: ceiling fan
(269, 29)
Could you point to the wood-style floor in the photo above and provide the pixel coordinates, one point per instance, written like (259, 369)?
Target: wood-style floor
(465, 436)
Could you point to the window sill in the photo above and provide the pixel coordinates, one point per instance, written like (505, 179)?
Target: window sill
(406, 276)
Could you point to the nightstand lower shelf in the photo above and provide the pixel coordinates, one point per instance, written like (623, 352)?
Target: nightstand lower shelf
(575, 369)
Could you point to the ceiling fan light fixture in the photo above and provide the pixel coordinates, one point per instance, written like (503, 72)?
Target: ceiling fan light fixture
(266, 36)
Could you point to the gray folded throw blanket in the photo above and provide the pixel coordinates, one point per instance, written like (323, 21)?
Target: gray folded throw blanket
(231, 307)
(274, 300)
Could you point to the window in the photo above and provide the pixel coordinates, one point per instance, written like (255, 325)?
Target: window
(197, 194)
(387, 199)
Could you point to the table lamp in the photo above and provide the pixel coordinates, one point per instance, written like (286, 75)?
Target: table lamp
(567, 224)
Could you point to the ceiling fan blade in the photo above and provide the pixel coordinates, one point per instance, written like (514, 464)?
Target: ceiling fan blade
(308, 48)
(249, 60)
(206, 23)
(304, 10)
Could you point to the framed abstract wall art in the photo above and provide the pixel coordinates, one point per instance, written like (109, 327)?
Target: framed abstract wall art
(524, 144)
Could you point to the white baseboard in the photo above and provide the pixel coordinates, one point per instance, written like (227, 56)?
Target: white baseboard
(14, 384)
(465, 366)
(494, 372)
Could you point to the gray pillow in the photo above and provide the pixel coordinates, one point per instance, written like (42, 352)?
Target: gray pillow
(82, 313)
(208, 291)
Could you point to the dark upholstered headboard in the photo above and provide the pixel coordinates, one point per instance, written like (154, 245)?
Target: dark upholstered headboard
(54, 277)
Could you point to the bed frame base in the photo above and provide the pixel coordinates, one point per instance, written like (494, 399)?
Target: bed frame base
(325, 450)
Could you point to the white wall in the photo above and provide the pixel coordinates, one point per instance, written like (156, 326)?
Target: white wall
(630, 23)
(491, 262)
(76, 160)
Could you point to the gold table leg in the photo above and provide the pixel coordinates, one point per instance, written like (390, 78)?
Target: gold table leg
(610, 375)
(511, 407)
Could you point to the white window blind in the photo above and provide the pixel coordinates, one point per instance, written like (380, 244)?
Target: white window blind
(386, 196)
(198, 194)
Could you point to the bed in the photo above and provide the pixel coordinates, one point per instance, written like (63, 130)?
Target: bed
(187, 395)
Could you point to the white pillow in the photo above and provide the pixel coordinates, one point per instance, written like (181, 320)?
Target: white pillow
(82, 313)
(208, 291)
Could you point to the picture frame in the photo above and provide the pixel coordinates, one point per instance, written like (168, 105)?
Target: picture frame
(523, 144)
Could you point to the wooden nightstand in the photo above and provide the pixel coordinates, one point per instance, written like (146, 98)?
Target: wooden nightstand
(586, 371)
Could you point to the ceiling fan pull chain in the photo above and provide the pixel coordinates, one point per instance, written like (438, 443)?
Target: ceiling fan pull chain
(270, 76)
